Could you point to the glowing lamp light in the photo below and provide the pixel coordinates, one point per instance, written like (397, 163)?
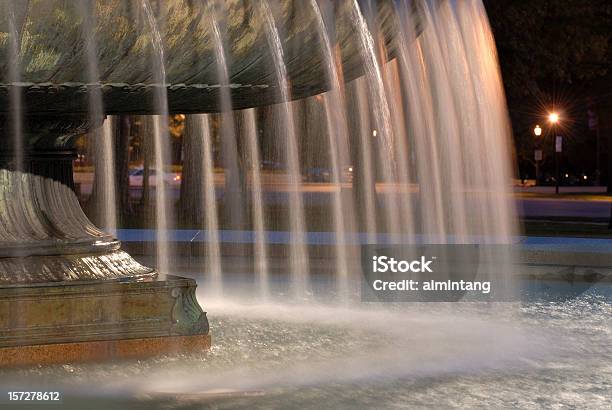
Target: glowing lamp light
(374, 133)
(537, 130)
(553, 117)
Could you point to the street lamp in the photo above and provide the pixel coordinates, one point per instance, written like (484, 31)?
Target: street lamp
(553, 118)
(537, 154)
(537, 131)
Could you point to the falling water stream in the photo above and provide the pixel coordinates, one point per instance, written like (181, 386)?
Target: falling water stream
(499, 224)
(421, 125)
(379, 103)
(298, 253)
(233, 185)
(339, 153)
(163, 215)
(104, 146)
(102, 134)
(15, 96)
(393, 89)
(366, 161)
(249, 125)
(447, 115)
(481, 57)
(16, 105)
(214, 287)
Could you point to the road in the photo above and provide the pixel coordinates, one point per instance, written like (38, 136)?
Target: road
(534, 202)
(563, 208)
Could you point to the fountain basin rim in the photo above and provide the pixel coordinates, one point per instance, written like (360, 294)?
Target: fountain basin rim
(144, 277)
(36, 270)
(57, 247)
(136, 86)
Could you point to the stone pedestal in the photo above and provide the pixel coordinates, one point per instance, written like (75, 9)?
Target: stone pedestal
(99, 320)
(67, 290)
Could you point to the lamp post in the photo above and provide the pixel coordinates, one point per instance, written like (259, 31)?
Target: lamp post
(537, 130)
(537, 154)
(553, 118)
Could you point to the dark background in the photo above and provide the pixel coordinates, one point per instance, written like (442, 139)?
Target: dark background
(557, 55)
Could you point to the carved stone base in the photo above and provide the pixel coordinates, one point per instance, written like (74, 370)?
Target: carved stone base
(78, 311)
(103, 350)
(67, 290)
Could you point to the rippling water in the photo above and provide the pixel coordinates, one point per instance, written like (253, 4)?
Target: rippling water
(433, 355)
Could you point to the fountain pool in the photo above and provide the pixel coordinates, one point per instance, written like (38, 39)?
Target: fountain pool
(536, 354)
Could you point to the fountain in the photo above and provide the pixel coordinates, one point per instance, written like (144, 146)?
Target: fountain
(66, 69)
(314, 131)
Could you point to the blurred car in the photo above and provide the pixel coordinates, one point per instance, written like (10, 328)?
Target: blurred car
(548, 181)
(347, 173)
(321, 174)
(569, 180)
(271, 165)
(317, 174)
(169, 178)
(578, 180)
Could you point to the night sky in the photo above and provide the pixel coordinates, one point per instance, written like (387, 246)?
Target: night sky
(557, 55)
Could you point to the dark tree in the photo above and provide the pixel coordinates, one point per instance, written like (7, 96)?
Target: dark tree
(148, 157)
(547, 42)
(122, 156)
(191, 204)
(553, 52)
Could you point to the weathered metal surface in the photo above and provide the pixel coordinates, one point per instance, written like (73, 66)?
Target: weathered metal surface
(52, 37)
(42, 134)
(46, 237)
(113, 265)
(41, 210)
(67, 312)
